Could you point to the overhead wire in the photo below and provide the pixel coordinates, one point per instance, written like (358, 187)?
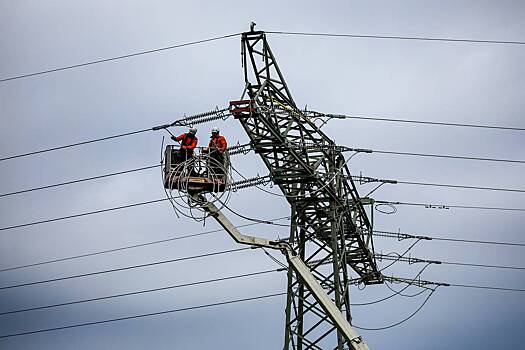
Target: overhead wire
(413, 260)
(120, 57)
(461, 186)
(396, 37)
(33, 223)
(402, 236)
(448, 206)
(486, 287)
(11, 335)
(79, 180)
(143, 291)
(408, 284)
(125, 268)
(400, 322)
(435, 155)
(447, 284)
(413, 121)
(363, 180)
(118, 249)
(202, 306)
(185, 121)
(70, 182)
(75, 144)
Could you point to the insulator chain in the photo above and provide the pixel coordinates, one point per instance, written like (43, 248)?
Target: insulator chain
(197, 119)
(297, 145)
(319, 146)
(238, 149)
(409, 260)
(259, 180)
(203, 117)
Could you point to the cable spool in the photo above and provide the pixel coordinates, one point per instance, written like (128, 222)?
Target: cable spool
(201, 174)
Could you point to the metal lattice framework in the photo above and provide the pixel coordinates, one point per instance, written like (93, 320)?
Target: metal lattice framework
(330, 230)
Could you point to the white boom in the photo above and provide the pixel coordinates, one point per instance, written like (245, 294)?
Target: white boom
(353, 339)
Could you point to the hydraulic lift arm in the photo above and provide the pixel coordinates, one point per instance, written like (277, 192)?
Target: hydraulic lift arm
(334, 314)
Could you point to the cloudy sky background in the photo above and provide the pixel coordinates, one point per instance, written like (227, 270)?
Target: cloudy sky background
(448, 82)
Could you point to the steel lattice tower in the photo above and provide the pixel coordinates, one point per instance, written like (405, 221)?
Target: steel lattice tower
(330, 229)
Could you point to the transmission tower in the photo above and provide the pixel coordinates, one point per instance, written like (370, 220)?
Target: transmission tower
(330, 230)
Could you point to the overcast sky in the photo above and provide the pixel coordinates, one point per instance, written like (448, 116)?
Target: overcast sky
(438, 81)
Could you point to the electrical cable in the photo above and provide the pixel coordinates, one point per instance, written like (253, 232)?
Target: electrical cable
(187, 120)
(251, 219)
(143, 291)
(128, 247)
(362, 36)
(402, 236)
(79, 180)
(400, 322)
(443, 206)
(363, 150)
(405, 295)
(366, 180)
(75, 144)
(412, 121)
(202, 306)
(461, 285)
(119, 57)
(400, 256)
(395, 292)
(124, 268)
(412, 260)
(486, 287)
(461, 186)
(82, 214)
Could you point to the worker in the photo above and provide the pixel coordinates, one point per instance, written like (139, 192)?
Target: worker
(216, 149)
(217, 142)
(188, 142)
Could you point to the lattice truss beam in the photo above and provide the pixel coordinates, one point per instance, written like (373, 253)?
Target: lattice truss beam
(330, 227)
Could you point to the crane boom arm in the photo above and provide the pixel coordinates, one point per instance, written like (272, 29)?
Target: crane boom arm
(353, 339)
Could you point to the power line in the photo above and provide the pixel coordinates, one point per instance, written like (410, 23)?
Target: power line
(446, 284)
(413, 121)
(79, 180)
(113, 209)
(141, 315)
(402, 236)
(366, 179)
(251, 219)
(487, 287)
(187, 120)
(412, 260)
(140, 292)
(128, 247)
(362, 36)
(119, 57)
(197, 307)
(400, 322)
(75, 144)
(237, 185)
(446, 206)
(124, 268)
(83, 214)
(461, 186)
(365, 150)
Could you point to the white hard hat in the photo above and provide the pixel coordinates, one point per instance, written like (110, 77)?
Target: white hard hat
(193, 130)
(215, 130)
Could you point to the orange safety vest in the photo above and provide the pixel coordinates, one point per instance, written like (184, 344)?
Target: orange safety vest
(219, 143)
(188, 142)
